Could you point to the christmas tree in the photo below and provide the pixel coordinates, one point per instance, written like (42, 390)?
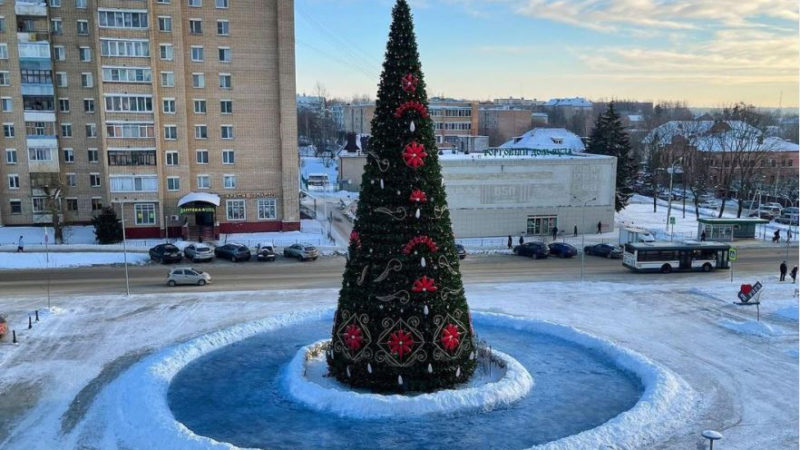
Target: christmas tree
(609, 138)
(402, 323)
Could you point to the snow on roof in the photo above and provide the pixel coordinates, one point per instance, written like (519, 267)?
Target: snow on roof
(199, 197)
(577, 101)
(547, 139)
(715, 136)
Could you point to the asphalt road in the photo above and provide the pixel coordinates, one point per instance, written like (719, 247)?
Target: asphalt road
(327, 273)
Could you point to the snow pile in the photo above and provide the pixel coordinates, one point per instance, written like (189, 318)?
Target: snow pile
(305, 381)
(749, 327)
(60, 260)
(788, 312)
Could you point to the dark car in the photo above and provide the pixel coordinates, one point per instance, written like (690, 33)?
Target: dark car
(562, 249)
(532, 249)
(166, 253)
(606, 250)
(233, 251)
(462, 252)
(265, 252)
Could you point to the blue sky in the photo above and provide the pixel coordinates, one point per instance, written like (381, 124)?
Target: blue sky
(704, 52)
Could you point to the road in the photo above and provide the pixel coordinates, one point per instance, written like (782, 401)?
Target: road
(327, 273)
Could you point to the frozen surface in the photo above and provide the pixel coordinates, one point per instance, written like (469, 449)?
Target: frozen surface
(29, 260)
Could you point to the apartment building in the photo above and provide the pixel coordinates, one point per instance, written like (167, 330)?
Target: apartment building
(179, 113)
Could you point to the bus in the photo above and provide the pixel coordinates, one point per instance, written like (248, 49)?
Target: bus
(666, 257)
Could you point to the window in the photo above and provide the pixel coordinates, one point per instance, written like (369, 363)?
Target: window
(93, 155)
(11, 155)
(94, 179)
(40, 129)
(196, 26)
(133, 48)
(223, 28)
(69, 156)
(39, 205)
(91, 130)
(225, 54)
(127, 74)
(203, 182)
(130, 130)
(172, 158)
(167, 79)
(16, 206)
(56, 27)
(81, 4)
(266, 208)
(13, 181)
(144, 213)
(6, 104)
(72, 179)
(5, 79)
(133, 183)
(195, 3)
(202, 156)
(2, 24)
(168, 106)
(198, 80)
(129, 103)
(122, 19)
(132, 157)
(8, 130)
(66, 130)
(165, 24)
(40, 154)
(226, 131)
(88, 105)
(225, 81)
(59, 52)
(199, 106)
(83, 27)
(87, 80)
(72, 204)
(229, 181)
(97, 204)
(85, 54)
(55, 3)
(197, 53)
(61, 79)
(201, 132)
(221, 3)
(165, 52)
(226, 106)
(170, 132)
(4, 51)
(228, 157)
(234, 210)
(173, 184)
(163, 2)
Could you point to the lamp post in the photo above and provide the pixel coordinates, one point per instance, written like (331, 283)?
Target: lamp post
(124, 246)
(669, 205)
(583, 227)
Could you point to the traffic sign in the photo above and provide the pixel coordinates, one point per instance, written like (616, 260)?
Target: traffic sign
(672, 220)
(732, 254)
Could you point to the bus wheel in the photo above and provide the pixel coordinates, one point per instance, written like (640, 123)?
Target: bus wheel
(706, 267)
(666, 268)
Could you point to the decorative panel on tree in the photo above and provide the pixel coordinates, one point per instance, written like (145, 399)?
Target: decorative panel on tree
(402, 323)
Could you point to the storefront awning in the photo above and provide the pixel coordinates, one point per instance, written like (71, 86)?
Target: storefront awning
(204, 197)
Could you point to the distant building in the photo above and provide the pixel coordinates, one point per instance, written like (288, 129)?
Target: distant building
(309, 102)
(357, 118)
(501, 124)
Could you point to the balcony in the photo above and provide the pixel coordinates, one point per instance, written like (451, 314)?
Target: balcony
(39, 116)
(36, 8)
(38, 89)
(33, 36)
(34, 50)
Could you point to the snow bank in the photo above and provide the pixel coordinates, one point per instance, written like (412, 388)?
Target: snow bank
(69, 259)
(749, 327)
(788, 312)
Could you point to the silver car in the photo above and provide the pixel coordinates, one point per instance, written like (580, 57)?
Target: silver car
(188, 275)
(198, 252)
(303, 252)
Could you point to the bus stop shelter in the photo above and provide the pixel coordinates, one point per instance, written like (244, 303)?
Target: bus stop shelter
(726, 230)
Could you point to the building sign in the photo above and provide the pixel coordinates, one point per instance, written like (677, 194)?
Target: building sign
(527, 152)
(197, 209)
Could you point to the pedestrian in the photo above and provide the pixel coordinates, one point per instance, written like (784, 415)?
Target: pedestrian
(509, 242)
(783, 271)
(575, 231)
(555, 233)
(703, 236)
(20, 245)
(788, 235)
(793, 273)
(599, 227)
(521, 241)
(776, 237)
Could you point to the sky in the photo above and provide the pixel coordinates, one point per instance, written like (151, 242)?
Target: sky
(708, 53)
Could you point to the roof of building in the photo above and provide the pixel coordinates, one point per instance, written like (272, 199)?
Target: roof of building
(547, 139)
(731, 221)
(576, 101)
(715, 136)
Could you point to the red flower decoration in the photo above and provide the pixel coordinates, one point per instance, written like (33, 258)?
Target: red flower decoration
(418, 196)
(424, 284)
(412, 105)
(355, 238)
(400, 343)
(352, 337)
(416, 240)
(413, 154)
(450, 337)
(409, 83)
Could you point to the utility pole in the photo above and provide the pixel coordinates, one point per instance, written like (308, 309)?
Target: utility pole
(669, 205)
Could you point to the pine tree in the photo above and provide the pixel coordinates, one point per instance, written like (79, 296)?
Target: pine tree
(402, 323)
(107, 227)
(609, 138)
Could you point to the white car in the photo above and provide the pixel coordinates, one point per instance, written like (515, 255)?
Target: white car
(198, 252)
(187, 275)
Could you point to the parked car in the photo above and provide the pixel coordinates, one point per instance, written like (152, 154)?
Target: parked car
(265, 252)
(198, 252)
(187, 275)
(763, 214)
(303, 252)
(532, 249)
(233, 251)
(462, 252)
(788, 219)
(790, 210)
(606, 250)
(562, 249)
(166, 253)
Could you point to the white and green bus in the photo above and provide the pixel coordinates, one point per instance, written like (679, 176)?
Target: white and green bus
(666, 257)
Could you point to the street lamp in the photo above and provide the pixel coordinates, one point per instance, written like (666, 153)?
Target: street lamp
(583, 227)
(669, 206)
(124, 244)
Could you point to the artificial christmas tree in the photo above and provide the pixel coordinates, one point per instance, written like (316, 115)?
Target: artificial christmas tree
(402, 323)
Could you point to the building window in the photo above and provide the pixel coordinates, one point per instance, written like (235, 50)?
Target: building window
(229, 181)
(83, 27)
(69, 156)
(234, 210)
(56, 27)
(97, 204)
(196, 26)
(16, 206)
(199, 106)
(94, 179)
(81, 4)
(55, 3)
(221, 4)
(127, 74)
(226, 131)
(66, 130)
(172, 158)
(133, 183)
(202, 156)
(39, 205)
(203, 182)
(133, 157)
(40, 154)
(122, 19)
(145, 213)
(173, 184)
(85, 54)
(11, 155)
(163, 2)
(59, 53)
(93, 155)
(63, 105)
(5, 79)
(223, 28)
(197, 53)
(225, 54)
(91, 130)
(165, 51)
(132, 48)
(4, 51)
(225, 81)
(201, 132)
(13, 181)
(168, 106)
(167, 79)
(195, 3)
(61, 79)
(72, 179)
(165, 24)
(129, 103)
(198, 80)
(8, 130)
(228, 157)
(87, 80)
(6, 104)
(72, 204)
(170, 132)
(88, 105)
(130, 130)
(2, 24)
(226, 106)
(266, 208)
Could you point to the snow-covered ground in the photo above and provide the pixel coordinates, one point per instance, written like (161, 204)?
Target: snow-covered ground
(30, 260)
(747, 381)
(310, 165)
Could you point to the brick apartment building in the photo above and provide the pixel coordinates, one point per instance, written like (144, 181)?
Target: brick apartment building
(179, 113)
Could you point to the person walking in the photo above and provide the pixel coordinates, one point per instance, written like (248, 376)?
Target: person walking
(776, 237)
(793, 274)
(575, 231)
(788, 235)
(555, 233)
(20, 245)
(599, 227)
(703, 236)
(521, 241)
(783, 271)
(509, 242)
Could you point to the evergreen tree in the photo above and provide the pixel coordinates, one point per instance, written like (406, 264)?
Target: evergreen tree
(609, 138)
(402, 322)
(107, 227)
